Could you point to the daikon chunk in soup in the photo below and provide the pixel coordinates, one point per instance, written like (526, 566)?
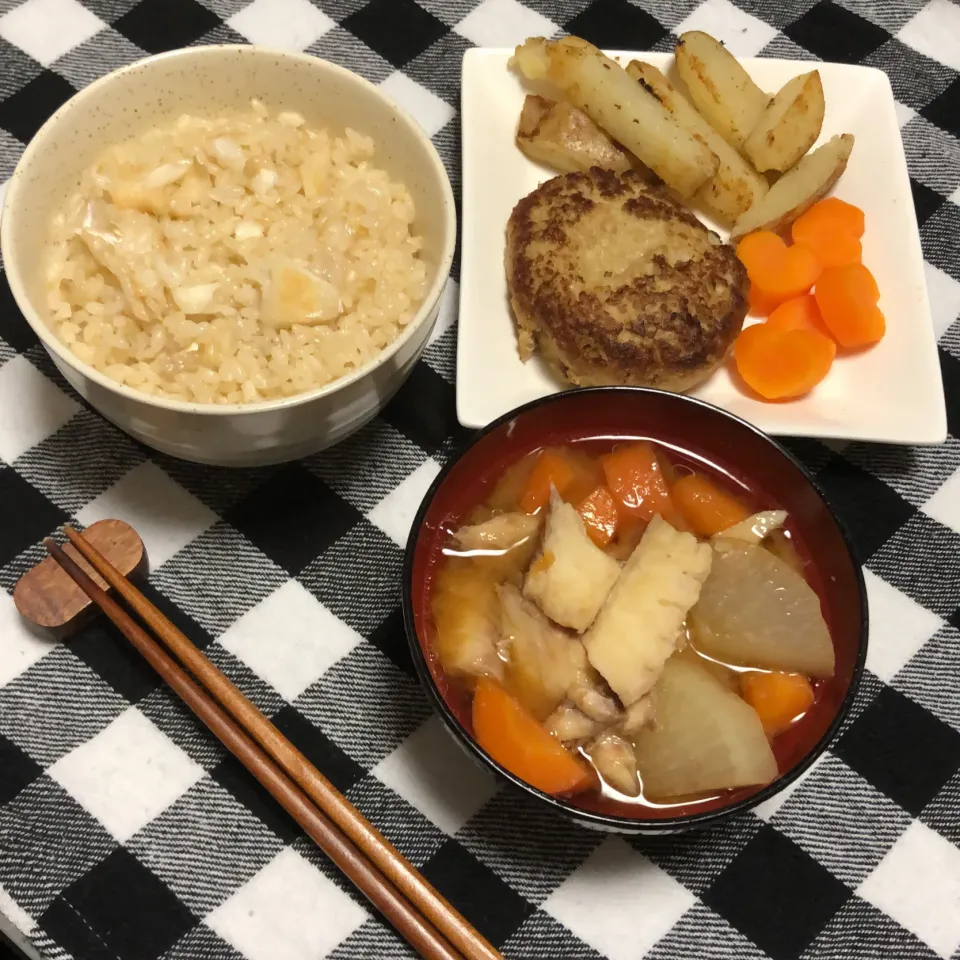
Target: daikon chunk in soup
(628, 628)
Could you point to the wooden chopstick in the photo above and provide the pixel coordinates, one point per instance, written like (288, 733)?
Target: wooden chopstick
(391, 863)
(413, 924)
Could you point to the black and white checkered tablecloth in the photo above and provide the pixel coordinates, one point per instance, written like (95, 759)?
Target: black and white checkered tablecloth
(127, 833)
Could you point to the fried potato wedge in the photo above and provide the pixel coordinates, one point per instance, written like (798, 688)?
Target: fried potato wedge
(566, 139)
(798, 189)
(789, 127)
(631, 115)
(736, 186)
(719, 87)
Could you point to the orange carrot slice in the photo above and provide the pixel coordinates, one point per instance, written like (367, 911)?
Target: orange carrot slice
(760, 306)
(847, 298)
(777, 272)
(600, 517)
(760, 251)
(841, 216)
(667, 467)
(795, 274)
(832, 249)
(551, 469)
(636, 481)
(780, 365)
(588, 475)
(514, 739)
(778, 698)
(800, 313)
(705, 507)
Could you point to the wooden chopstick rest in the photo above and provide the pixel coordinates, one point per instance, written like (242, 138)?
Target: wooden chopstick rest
(47, 596)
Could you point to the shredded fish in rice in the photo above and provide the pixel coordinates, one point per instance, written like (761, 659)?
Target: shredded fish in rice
(235, 259)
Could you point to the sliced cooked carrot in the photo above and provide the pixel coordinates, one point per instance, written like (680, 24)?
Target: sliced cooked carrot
(513, 738)
(800, 313)
(760, 251)
(847, 298)
(760, 306)
(667, 467)
(636, 481)
(779, 364)
(706, 507)
(588, 475)
(778, 698)
(777, 272)
(792, 276)
(842, 216)
(670, 476)
(832, 229)
(832, 249)
(873, 328)
(600, 517)
(551, 469)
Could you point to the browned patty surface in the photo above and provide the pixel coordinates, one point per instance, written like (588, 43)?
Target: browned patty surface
(617, 283)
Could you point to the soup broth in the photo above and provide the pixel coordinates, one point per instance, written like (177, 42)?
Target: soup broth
(609, 622)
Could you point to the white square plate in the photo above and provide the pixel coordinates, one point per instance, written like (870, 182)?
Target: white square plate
(892, 392)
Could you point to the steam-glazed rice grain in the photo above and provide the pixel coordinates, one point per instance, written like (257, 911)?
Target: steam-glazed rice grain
(235, 259)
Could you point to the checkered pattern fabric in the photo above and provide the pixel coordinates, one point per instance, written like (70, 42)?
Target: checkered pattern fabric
(127, 833)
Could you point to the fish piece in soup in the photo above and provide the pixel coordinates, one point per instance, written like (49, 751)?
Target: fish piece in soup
(571, 576)
(591, 695)
(502, 532)
(615, 761)
(571, 725)
(541, 661)
(640, 714)
(641, 623)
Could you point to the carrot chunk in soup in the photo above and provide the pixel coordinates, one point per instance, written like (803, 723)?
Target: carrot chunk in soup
(552, 469)
(599, 512)
(636, 481)
(706, 507)
(779, 698)
(517, 742)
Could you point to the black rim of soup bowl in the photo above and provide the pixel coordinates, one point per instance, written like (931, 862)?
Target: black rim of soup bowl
(568, 809)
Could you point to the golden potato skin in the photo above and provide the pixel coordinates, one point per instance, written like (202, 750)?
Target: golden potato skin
(600, 87)
(736, 186)
(719, 87)
(565, 139)
(798, 189)
(789, 127)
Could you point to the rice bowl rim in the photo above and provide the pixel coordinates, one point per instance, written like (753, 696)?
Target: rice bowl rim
(323, 67)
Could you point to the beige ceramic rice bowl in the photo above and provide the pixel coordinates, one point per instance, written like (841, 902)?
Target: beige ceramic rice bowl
(267, 390)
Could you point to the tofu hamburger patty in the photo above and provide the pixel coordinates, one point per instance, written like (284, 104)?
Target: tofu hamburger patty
(616, 283)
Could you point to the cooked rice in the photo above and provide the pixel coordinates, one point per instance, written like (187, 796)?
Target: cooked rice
(235, 259)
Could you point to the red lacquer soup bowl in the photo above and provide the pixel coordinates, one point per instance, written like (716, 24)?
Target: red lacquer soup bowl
(697, 433)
